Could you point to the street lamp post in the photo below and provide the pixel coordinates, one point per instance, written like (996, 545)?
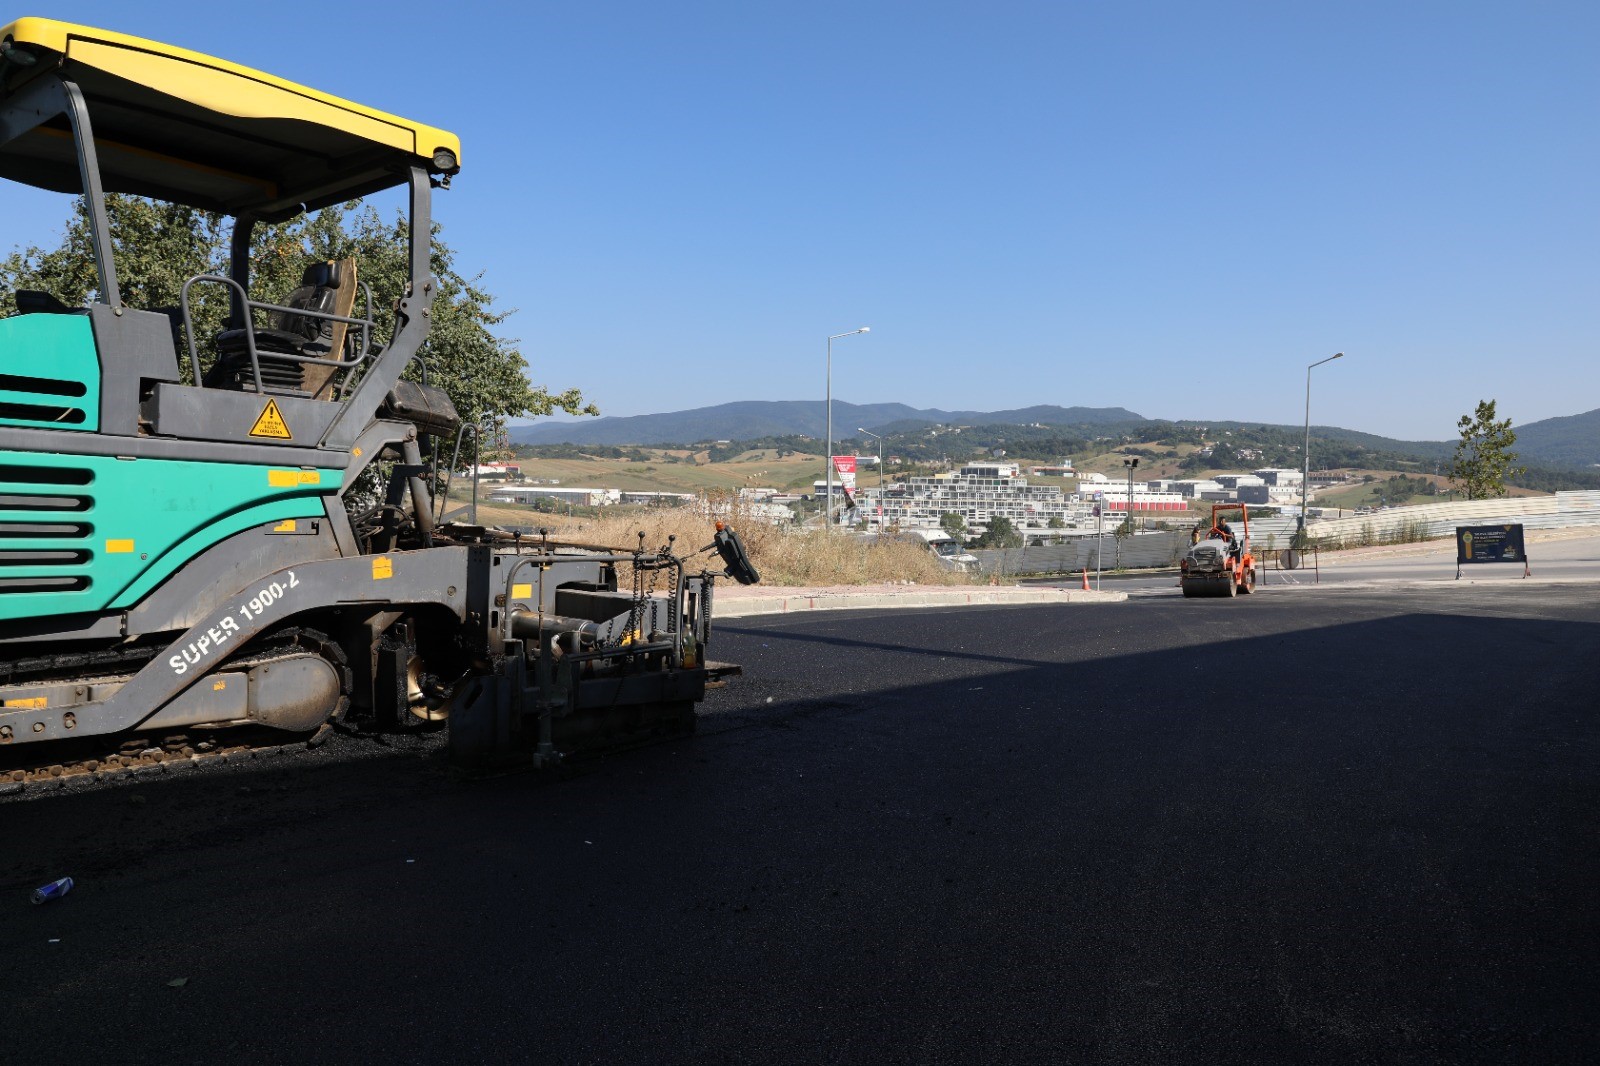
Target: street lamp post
(1305, 473)
(827, 514)
(879, 439)
(1132, 463)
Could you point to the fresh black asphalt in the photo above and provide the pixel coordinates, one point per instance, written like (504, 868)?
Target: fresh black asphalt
(1341, 827)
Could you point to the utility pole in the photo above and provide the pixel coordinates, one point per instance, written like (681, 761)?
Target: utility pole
(1305, 474)
(827, 514)
(879, 439)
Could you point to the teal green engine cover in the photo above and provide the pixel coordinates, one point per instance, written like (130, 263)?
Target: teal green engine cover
(49, 373)
(90, 533)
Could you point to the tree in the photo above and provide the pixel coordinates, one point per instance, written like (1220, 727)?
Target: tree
(1001, 533)
(1483, 458)
(953, 524)
(158, 246)
(1055, 522)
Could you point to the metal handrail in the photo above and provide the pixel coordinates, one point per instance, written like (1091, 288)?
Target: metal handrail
(367, 324)
(455, 459)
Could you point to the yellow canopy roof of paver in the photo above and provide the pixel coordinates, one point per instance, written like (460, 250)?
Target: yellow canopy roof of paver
(189, 128)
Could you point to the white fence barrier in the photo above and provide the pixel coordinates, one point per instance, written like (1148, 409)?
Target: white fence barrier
(1561, 511)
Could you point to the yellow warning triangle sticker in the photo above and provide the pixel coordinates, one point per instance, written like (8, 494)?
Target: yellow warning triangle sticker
(271, 424)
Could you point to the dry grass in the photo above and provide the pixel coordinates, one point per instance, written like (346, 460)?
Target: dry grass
(812, 557)
(785, 556)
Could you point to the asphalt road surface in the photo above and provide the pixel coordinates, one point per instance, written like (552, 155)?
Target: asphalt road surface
(1345, 826)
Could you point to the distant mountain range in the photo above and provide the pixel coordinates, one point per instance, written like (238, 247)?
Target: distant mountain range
(1571, 442)
(749, 419)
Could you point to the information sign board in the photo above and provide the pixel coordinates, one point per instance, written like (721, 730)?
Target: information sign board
(1490, 544)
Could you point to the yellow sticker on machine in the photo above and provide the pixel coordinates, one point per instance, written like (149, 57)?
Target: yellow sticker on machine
(119, 547)
(382, 567)
(31, 703)
(271, 423)
(521, 592)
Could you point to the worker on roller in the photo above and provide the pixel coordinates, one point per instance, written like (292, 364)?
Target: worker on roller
(1225, 531)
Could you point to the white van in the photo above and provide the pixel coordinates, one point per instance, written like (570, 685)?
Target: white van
(949, 550)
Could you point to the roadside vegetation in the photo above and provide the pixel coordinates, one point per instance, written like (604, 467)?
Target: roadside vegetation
(1371, 535)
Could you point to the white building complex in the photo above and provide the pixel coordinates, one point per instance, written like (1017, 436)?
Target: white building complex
(979, 492)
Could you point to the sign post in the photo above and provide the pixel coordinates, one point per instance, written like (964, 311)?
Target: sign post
(1099, 538)
(1491, 544)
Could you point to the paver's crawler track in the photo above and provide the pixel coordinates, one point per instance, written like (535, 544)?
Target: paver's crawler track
(143, 752)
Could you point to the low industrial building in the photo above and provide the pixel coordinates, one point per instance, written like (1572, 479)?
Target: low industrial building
(657, 499)
(1280, 477)
(528, 494)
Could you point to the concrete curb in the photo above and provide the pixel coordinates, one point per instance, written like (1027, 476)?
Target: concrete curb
(848, 601)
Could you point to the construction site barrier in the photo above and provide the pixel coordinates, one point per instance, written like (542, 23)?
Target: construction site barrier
(1284, 559)
(1094, 554)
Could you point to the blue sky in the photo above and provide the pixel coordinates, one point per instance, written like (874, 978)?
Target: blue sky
(1167, 207)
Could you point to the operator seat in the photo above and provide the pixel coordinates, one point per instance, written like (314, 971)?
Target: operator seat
(286, 339)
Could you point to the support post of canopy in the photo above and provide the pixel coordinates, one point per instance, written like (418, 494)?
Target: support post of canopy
(31, 107)
(94, 195)
(244, 228)
(411, 325)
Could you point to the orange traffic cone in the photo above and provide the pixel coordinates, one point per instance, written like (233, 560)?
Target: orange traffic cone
(1086, 579)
